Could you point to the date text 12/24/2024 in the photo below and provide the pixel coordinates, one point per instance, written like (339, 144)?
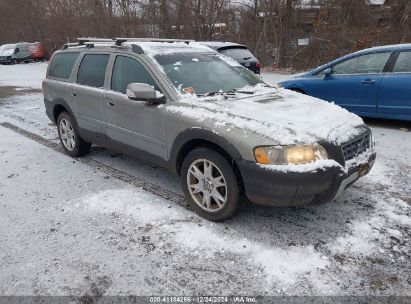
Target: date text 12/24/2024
(203, 299)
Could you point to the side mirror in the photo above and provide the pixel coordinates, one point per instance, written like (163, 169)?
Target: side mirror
(328, 72)
(144, 92)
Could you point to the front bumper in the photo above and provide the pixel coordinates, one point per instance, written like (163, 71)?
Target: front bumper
(5, 60)
(279, 189)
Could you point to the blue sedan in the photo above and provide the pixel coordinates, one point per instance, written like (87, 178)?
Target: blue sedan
(374, 82)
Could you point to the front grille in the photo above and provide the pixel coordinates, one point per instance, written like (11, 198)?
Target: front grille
(2, 58)
(356, 146)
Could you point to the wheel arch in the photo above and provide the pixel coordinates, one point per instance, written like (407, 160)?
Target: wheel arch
(197, 138)
(61, 106)
(296, 88)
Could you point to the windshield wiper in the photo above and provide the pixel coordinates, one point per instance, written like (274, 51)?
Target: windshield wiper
(224, 93)
(230, 92)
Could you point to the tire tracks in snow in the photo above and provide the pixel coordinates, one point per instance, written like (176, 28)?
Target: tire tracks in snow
(109, 170)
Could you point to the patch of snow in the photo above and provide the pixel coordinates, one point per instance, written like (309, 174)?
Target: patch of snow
(284, 266)
(137, 204)
(396, 210)
(360, 241)
(320, 164)
(28, 75)
(283, 116)
(153, 49)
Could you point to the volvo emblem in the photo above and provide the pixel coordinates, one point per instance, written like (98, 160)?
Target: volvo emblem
(360, 146)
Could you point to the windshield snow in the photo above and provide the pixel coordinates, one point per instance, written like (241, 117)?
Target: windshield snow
(205, 73)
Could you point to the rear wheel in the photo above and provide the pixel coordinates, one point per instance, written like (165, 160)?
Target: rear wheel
(210, 184)
(71, 141)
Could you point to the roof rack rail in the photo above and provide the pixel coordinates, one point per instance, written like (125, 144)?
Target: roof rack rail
(85, 40)
(120, 41)
(89, 42)
(67, 45)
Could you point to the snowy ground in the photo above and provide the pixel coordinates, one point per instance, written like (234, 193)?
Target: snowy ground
(86, 226)
(27, 75)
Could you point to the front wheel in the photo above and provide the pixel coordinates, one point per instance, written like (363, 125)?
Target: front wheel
(210, 184)
(71, 141)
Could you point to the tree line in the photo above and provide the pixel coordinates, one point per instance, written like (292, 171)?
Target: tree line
(296, 34)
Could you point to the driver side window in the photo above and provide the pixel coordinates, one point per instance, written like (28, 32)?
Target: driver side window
(365, 64)
(127, 70)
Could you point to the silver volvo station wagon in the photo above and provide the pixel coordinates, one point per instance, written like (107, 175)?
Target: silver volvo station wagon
(226, 132)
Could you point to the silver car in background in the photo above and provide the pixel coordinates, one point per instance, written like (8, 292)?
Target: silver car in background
(15, 53)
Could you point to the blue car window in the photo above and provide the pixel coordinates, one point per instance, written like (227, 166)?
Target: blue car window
(365, 64)
(403, 64)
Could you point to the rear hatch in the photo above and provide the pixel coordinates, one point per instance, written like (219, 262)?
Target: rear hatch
(243, 56)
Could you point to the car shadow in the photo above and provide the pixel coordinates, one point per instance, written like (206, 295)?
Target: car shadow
(387, 123)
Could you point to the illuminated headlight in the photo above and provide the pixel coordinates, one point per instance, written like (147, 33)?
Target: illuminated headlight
(278, 155)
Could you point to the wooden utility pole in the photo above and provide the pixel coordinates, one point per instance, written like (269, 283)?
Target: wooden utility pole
(286, 30)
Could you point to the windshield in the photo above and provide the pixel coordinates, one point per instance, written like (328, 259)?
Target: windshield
(7, 49)
(237, 53)
(203, 73)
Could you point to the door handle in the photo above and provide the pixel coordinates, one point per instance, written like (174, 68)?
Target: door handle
(368, 81)
(74, 94)
(110, 104)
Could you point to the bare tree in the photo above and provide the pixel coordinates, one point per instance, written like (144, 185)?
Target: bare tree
(270, 28)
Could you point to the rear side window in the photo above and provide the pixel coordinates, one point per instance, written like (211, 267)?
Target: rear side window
(237, 53)
(365, 64)
(62, 65)
(128, 70)
(403, 64)
(92, 71)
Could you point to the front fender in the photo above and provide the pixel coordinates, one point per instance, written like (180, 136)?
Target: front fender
(194, 135)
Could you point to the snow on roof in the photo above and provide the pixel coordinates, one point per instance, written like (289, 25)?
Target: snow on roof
(163, 48)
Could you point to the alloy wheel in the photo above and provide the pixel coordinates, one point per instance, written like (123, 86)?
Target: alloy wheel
(67, 134)
(207, 185)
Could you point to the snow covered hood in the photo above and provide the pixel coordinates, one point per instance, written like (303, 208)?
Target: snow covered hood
(281, 115)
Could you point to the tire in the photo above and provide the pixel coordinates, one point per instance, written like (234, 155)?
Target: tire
(229, 192)
(72, 143)
(14, 61)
